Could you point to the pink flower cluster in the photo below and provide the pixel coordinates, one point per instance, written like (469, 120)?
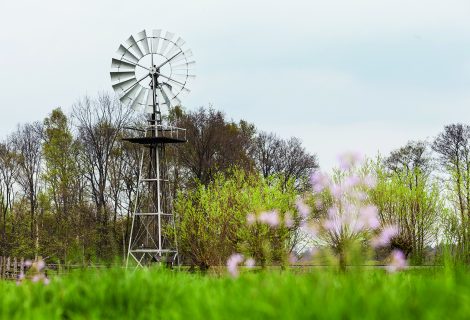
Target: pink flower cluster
(235, 260)
(270, 218)
(397, 261)
(349, 160)
(36, 269)
(351, 213)
(386, 234)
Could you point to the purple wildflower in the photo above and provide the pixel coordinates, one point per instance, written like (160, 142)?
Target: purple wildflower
(40, 265)
(250, 263)
(303, 209)
(397, 261)
(369, 217)
(337, 191)
(293, 258)
(349, 160)
(310, 230)
(232, 264)
(333, 212)
(270, 218)
(319, 181)
(333, 225)
(383, 239)
(288, 221)
(318, 204)
(359, 195)
(352, 181)
(370, 181)
(250, 219)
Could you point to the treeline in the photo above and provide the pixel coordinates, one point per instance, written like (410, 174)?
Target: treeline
(418, 195)
(67, 183)
(424, 188)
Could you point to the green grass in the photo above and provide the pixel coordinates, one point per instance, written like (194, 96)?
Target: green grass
(319, 294)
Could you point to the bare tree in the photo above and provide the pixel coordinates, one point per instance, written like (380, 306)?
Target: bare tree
(214, 144)
(415, 204)
(28, 144)
(453, 148)
(414, 156)
(99, 123)
(284, 157)
(267, 152)
(8, 177)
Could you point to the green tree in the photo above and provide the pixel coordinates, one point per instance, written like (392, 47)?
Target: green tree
(60, 173)
(407, 196)
(212, 222)
(453, 148)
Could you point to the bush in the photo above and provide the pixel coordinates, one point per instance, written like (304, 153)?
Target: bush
(211, 222)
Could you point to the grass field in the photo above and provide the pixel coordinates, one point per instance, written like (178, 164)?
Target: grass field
(319, 294)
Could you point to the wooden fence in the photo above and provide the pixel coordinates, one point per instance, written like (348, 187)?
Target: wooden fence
(11, 268)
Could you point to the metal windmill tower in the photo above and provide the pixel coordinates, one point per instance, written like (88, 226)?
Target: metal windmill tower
(151, 72)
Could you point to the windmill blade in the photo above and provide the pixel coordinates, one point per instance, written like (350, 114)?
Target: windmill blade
(188, 54)
(124, 85)
(141, 38)
(131, 43)
(149, 104)
(123, 52)
(176, 101)
(166, 42)
(130, 94)
(118, 76)
(185, 91)
(172, 80)
(175, 84)
(172, 51)
(138, 101)
(150, 98)
(132, 103)
(164, 95)
(183, 74)
(118, 64)
(155, 40)
(127, 88)
(186, 65)
(189, 79)
(148, 109)
(175, 47)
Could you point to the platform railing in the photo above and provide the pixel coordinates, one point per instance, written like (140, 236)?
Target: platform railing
(168, 131)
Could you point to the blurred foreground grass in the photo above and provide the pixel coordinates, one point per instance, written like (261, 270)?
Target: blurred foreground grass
(320, 294)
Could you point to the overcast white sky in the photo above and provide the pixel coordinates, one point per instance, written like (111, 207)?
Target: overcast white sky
(363, 75)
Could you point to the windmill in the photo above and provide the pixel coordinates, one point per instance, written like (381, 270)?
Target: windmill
(150, 72)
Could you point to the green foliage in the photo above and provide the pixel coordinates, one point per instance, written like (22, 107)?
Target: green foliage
(161, 294)
(59, 152)
(212, 219)
(412, 201)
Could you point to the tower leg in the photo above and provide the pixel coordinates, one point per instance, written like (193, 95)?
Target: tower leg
(153, 224)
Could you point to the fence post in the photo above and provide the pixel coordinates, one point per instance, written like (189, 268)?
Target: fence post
(22, 266)
(7, 269)
(1, 267)
(15, 267)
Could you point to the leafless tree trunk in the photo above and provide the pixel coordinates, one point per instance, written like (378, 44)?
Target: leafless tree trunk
(99, 123)
(8, 177)
(28, 143)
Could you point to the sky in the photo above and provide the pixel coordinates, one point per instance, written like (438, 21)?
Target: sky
(342, 75)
